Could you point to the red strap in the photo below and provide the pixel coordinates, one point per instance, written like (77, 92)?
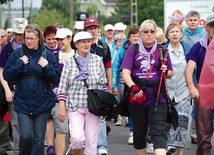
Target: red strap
(151, 65)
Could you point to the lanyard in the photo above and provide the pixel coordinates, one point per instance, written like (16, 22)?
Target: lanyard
(151, 65)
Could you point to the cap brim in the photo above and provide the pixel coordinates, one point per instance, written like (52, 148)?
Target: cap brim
(92, 24)
(210, 23)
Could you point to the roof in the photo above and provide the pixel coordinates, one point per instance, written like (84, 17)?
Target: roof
(110, 1)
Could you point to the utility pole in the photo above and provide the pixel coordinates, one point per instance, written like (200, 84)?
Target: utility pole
(23, 7)
(71, 13)
(9, 15)
(134, 17)
(30, 14)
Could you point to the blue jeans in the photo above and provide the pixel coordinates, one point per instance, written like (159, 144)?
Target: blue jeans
(102, 139)
(32, 133)
(130, 124)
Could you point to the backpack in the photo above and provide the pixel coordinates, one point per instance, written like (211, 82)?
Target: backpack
(43, 53)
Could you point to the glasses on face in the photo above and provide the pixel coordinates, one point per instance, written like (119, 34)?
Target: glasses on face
(30, 39)
(174, 18)
(149, 31)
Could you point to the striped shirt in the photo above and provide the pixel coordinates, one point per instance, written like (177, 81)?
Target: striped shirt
(74, 92)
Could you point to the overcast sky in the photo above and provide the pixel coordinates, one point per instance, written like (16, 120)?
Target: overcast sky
(18, 3)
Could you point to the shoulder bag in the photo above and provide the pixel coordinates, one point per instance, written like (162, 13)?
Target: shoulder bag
(100, 102)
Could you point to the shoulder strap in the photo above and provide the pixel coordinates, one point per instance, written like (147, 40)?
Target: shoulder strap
(9, 49)
(44, 53)
(105, 47)
(21, 52)
(136, 48)
(56, 55)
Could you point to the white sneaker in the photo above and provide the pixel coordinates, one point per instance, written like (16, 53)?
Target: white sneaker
(119, 122)
(171, 149)
(130, 139)
(102, 152)
(127, 122)
(150, 148)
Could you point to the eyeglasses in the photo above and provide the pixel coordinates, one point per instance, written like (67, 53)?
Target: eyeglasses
(30, 39)
(147, 31)
(174, 18)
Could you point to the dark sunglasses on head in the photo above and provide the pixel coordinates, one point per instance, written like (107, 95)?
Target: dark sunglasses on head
(147, 31)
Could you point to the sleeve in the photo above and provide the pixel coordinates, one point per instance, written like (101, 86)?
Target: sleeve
(103, 78)
(169, 63)
(116, 68)
(3, 56)
(107, 58)
(128, 60)
(193, 53)
(13, 67)
(63, 84)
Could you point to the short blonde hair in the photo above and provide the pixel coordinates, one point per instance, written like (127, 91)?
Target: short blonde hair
(119, 36)
(171, 26)
(159, 33)
(145, 23)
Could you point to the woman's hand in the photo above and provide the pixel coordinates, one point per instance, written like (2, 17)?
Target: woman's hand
(164, 68)
(194, 92)
(25, 59)
(42, 62)
(62, 113)
(9, 96)
(136, 91)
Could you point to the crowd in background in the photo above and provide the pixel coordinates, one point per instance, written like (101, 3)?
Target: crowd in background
(43, 74)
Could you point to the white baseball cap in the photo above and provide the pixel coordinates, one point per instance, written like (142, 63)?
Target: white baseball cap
(82, 35)
(3, 33)
(108, 27)
(120, 26)
(63, 32)
(79, 25)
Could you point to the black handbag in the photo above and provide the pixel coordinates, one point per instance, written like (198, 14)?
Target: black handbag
(172, 114)
(100, 102)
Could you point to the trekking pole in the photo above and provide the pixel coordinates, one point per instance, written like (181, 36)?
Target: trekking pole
(159, 86)
(164, 76)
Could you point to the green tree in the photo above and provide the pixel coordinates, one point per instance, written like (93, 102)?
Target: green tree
(147, 9)
(63, 7)
(48, 17)
(4, 1)
(91, 9)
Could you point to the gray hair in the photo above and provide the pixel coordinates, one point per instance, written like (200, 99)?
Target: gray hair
(193, 13)
(145, 23)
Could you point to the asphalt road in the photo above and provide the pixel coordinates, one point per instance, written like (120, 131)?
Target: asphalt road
(117, 141)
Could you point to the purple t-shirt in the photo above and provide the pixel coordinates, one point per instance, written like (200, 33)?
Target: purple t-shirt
(139, 66)
(53, 51)
(197, 54)
(3, 56)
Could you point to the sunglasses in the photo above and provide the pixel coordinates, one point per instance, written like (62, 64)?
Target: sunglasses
(149, 31)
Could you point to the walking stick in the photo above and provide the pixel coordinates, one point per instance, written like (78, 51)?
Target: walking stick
(163, 58)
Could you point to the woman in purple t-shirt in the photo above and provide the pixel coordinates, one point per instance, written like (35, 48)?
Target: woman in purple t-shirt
(136, 66)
